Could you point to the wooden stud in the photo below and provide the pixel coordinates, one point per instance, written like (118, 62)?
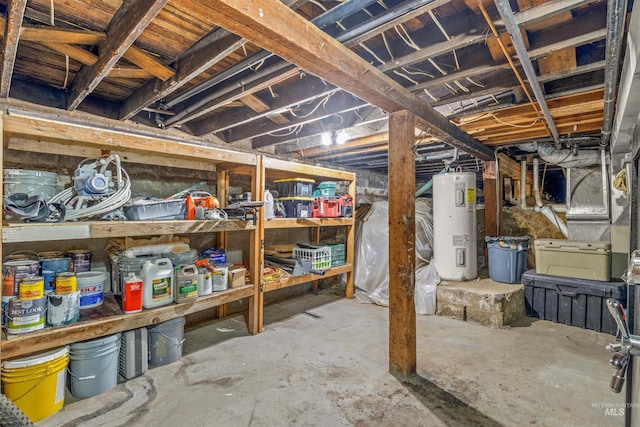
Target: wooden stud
(125, 27)
(79, 54)
(402, 312)
(132, 73)
(258, 106)
(256, 303)
(222, 184)
(492, 200)
(147, 62)
(15, 12)
(350, 243)
(61, 35)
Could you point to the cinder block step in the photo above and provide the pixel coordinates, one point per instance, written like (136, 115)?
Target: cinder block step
(484, 301)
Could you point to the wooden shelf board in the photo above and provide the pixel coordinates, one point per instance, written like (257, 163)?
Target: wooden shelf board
(97, 229)
(110, 319)
(292, 281)
(307, 222)
(288, 168)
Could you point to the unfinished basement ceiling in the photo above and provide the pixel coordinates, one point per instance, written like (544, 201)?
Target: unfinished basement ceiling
(167, 64)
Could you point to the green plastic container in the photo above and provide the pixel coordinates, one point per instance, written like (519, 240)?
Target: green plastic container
(325, 189)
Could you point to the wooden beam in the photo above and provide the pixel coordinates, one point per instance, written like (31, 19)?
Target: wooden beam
(188, 67)
(129, 21)
(492, 200)
(129, 73)
(340, 102)
(61, 35)
(15, 13)
(274, 26)
(259, 106)
(303, 90)
(79, 54)
(147, 62)
(402, 255)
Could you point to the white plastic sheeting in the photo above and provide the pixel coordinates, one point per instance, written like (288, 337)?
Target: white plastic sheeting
(371, 275)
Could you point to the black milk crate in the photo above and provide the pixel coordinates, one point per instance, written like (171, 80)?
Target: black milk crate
(575, 302)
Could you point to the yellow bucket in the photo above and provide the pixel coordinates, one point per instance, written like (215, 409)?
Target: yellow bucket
(36, 383)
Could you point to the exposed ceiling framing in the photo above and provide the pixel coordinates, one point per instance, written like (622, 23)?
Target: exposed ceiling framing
(280, 76)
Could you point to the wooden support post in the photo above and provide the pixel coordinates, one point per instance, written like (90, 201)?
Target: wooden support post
(492, 200)
(350, 243)
(2, 142)
(256, 302)
(222, 185)
(402, 312)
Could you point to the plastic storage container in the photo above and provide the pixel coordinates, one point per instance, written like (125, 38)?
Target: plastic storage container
(507, 258)
(31, 182)
(325, 208)
(165, 341)
(575, 302)
(91, 286)
(320, 257)
(297, 207)
(157, 283)
(325, 189)
(93, 366)
(156, 210)
(134, 353)
(36, 383)
(580, 260)
(186, 279)
(295, 187)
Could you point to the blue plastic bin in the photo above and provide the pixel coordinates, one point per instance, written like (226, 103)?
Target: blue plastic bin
(507, 258)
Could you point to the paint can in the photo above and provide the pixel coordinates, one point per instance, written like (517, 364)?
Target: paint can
(80, 260)
(5, 308)
(31, 288)
(51, 267)
(66, 283)
(132, 294)
(25, 316)
(13, 271)
(63, 309)
(91, 287)
(50, 254)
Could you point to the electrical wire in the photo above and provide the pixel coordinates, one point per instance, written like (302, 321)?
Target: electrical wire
(296, 128)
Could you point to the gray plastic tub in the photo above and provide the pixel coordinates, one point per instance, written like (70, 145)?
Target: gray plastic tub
(31, 182)
(507, 258)
(165, 341)
(93, 366)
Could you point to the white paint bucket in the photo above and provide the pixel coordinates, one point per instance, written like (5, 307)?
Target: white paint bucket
(91, 287)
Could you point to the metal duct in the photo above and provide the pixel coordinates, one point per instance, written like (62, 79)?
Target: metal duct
(567, 158)
(504, 8)
(616, 12)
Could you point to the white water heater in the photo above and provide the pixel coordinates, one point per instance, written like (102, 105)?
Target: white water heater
(455, 226)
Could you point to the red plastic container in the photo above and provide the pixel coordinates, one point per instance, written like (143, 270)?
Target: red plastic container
(325, 208)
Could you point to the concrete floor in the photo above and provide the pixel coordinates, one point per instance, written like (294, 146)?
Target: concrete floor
(323, 361)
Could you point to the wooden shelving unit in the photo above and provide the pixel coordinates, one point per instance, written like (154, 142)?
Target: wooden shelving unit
(279, 169)
(50, 134)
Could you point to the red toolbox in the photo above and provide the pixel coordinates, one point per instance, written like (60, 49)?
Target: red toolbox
(325, 208)
(346, 205)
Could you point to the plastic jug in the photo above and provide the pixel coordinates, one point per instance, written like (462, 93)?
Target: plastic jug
(157, 282)
(268, 205)
(186, 283)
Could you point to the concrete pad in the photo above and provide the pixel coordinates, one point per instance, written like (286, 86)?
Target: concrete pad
(327, 366)
(483, 300)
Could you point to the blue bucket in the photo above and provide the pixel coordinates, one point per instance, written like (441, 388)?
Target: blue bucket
(52, 266)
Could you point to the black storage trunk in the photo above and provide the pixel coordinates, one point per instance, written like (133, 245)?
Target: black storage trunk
(575, 302)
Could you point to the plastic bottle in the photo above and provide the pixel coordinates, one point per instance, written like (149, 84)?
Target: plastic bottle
(204, 282)
(157, 282)
(132, 294)
(186, 283)
(268, 205)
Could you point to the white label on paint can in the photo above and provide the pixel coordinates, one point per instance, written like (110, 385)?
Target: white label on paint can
(60, 386)
(26, 320)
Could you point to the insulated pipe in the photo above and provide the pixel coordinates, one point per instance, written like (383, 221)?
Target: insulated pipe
(566, 158)
(616, 12)
(536, 183)
(523, 183)
(504, 8)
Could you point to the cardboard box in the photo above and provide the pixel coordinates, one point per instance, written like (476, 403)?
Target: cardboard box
(236, 277)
